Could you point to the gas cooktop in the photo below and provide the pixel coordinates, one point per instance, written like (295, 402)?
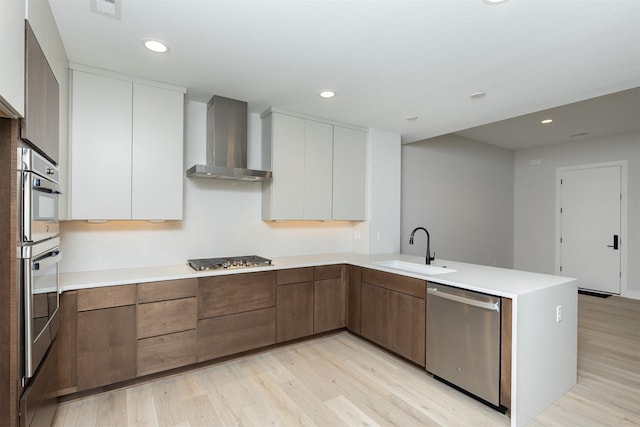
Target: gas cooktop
(228, 262)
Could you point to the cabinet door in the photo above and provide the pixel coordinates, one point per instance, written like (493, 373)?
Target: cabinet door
(294, 313)
(408, 326)
(328, 305)
(375, 315)
(318, 180)
(12, 52)
(67, 343)
(100, 169)
(349, 173)
(354, 298)
(106, 346)
(157, 176)
(287, 162)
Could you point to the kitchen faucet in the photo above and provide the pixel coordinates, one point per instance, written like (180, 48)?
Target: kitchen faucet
(429, 258)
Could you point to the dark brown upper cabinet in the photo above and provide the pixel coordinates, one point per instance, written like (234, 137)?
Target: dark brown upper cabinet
(40, 125)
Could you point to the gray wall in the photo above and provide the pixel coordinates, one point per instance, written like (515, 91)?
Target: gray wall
(461, 191)
(535, 203)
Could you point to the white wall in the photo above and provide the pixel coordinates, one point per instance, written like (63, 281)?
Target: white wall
(535, 202)
(221, 218)
(462, 192)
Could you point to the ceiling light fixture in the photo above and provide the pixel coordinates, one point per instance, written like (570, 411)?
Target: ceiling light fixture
(412, 118)
(156, 46)
(327, 94)
(494, 1)
(478, 94)
(546, 121)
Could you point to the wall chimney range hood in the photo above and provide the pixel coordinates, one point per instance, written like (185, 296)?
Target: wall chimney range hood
(227, 143)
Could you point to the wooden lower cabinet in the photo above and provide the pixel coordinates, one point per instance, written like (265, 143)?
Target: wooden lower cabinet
(329, 297)
(354, 298)
(228, 294)
(294, 305)
(67, 343)
(166, 352)
(376, 314)
(39, 400)
(328, 305)
(408, 334)
(235, 333)
(106, 346)
(395, 321)
(165, 317)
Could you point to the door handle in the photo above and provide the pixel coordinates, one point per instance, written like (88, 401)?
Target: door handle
(615, 243)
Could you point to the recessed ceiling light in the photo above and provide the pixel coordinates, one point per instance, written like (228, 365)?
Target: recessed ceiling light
(546, 121)
(478, 94)
(494, 1)
(327, 94)
(155, 45)
(412, 118)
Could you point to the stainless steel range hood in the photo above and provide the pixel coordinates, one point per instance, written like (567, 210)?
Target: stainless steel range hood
(227, 143)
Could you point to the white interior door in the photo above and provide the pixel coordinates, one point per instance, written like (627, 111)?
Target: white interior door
(590, 227)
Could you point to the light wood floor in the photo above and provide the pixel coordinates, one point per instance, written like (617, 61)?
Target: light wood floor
(342, 380)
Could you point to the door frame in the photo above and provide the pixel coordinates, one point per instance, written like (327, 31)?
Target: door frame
(623, 215)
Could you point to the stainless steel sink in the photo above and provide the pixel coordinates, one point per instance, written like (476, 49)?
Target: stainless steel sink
(412, 267)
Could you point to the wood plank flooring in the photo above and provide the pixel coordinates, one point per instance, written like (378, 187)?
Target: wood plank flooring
(341, 380)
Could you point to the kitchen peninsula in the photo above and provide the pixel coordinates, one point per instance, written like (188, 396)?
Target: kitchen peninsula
(543, 309)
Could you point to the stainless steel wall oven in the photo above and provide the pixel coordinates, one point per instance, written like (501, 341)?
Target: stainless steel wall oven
(39, 253)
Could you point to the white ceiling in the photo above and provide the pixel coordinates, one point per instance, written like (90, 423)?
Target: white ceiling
(606, 115)
(386, 59)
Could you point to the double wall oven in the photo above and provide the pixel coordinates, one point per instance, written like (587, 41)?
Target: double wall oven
(39, 254)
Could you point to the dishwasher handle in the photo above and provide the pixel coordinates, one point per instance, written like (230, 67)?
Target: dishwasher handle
(493, 306)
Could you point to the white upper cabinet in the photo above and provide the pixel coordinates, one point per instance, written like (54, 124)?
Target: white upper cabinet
(157, 174)
(100, 147)
(12, 54)
(304, 160)
(349, 173)
(125, 149)
(318, 158)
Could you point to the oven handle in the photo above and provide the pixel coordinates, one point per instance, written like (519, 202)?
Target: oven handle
(486, 305)
(45, 186)
(47, 260)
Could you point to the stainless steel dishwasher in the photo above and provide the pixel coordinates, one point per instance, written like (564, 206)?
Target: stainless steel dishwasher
(463, 340)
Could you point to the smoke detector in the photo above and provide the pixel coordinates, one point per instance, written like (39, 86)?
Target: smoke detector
(109, 8)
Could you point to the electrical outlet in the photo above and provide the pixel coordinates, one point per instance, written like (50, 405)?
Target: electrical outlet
(559, 314)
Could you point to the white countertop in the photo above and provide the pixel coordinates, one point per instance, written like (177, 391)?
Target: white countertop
(497, 281)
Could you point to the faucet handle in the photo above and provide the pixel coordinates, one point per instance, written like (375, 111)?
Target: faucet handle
(432, 258)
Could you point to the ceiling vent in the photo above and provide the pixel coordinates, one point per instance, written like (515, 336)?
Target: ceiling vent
(109, 8)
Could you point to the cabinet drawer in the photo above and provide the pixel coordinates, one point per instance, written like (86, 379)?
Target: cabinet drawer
(394, 282)
(327, 272)
(106, 297)
(167, 290)
(294, 275)
(164, 317)
(225, 335)
(166, 352)
(236, 293)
